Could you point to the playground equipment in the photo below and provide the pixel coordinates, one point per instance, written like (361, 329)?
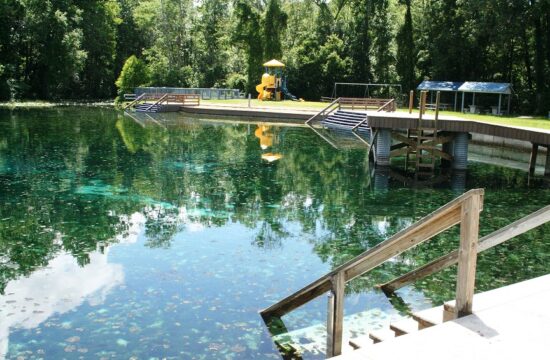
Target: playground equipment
(264, 133)
(273, 86)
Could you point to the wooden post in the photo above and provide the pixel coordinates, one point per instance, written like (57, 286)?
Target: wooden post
(335, 319)
(467, 255)
(424, 96)
(533, 159)
(411, 101)
(547, 165)
(437, 105)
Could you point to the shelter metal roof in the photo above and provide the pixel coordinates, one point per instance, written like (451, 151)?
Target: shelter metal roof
(274, 63)
(439, 85)
(486, 87)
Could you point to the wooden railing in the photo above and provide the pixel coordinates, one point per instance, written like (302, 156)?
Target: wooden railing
(183, 99)
(464, 210)
(388, 106)
(368, 103)
(139, 98)
(516, 228)
(158, 102)
(326, 111)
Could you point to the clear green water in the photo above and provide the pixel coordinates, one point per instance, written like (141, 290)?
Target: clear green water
(163, 239)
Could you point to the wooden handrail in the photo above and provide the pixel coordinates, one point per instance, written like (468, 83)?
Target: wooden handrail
(361, 122)
(464, 210)
(506, 233)
(135, 101)
(157, 102)
(385, 105)
(411, 236)
(322, 112)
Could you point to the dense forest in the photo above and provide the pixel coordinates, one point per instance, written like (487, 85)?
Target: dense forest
(60, 49)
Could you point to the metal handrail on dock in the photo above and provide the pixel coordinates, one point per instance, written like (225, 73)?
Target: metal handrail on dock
(325, 111)
(463, 210)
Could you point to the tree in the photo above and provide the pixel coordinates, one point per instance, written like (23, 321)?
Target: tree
(133, 74)
(406, 57)
(247, 35)
(274, 26)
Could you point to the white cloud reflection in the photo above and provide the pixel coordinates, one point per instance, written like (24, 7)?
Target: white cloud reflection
(60, 287)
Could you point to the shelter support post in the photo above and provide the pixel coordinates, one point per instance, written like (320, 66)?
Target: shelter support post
(462, 108)
(460, 151)
(499, 103)
(509, 100)
(383, 147)
(456, 96)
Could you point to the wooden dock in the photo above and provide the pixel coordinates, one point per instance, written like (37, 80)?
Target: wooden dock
(391, 120)
(512, 322)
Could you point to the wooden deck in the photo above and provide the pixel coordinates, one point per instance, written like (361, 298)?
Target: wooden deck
(389, 120)
(512, 322)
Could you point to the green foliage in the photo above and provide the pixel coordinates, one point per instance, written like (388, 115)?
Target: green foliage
(236, 81)
(247, 35)
(69, 48)
(133, 74)
(274, 26)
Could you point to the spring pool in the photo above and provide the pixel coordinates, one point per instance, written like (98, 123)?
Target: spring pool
(163, 237)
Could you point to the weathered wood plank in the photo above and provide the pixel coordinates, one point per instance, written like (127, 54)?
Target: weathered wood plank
(467, 255)
(506, 233)
(336, 315)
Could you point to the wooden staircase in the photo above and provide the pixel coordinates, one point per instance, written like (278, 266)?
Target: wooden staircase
(418, 321)
(499, 314)
(348, 120)
(149, 107)
(463, 210)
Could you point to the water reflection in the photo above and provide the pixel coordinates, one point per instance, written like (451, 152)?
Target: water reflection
(57, 289)
(267, 138)
(195, 201)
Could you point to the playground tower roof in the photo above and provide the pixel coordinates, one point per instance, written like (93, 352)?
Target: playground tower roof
(274, 63)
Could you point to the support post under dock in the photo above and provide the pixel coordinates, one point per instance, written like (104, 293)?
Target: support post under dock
(460, 151)
(383, 147)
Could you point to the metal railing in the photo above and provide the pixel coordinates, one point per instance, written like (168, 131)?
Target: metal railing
(326, 111)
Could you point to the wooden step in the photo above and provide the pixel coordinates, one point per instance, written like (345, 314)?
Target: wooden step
(429, 317)
(361, 342)
(403, 327)
(381, 335)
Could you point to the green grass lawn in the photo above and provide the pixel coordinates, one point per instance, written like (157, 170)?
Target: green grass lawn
(289, 104)
(534, 122)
